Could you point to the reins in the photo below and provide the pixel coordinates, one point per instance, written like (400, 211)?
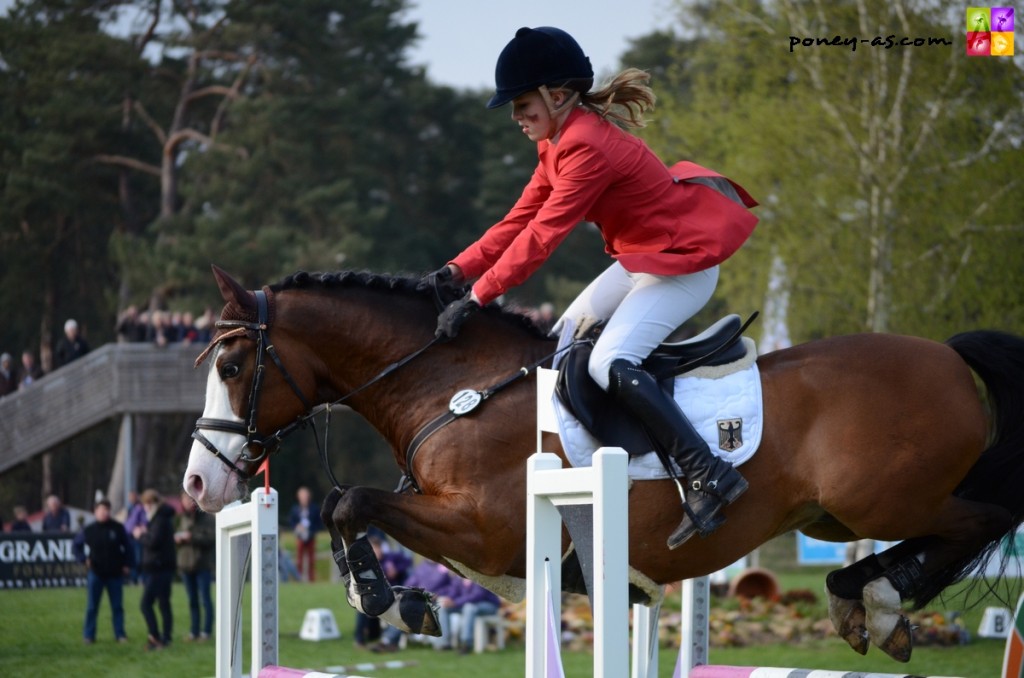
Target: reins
(462, 403)
(322, 449)
(272, 443)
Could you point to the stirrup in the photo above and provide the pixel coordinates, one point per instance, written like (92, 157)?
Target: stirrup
(691, 524)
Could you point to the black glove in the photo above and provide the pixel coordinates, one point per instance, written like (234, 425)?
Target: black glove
(442, 277)
(441, 284)
(454, 315)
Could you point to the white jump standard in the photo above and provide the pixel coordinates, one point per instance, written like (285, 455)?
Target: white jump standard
(242, 529)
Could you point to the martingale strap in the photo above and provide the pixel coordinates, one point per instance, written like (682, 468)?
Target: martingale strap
(462, 403)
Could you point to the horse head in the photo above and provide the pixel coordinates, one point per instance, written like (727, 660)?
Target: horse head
(249, 393)
(317, 338)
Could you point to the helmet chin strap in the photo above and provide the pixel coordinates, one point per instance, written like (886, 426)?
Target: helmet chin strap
(555, 111)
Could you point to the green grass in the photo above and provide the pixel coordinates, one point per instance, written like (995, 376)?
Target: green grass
(40, 635)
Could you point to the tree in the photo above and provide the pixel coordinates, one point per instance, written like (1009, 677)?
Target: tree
(60, 76)
(862, 160)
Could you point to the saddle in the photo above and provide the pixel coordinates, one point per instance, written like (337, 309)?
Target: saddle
(598, 412)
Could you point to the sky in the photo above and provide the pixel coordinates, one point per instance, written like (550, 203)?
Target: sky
(462, 38)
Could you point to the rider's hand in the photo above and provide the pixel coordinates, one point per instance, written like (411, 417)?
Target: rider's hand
(454, 315)
(443, 284)
(448, 275)
(442, 277)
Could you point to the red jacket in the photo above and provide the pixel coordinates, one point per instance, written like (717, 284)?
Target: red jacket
(652, 219)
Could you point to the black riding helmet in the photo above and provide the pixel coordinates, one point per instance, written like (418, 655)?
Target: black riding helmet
(536, 57)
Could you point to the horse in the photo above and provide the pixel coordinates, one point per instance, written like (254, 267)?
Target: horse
(873, 436)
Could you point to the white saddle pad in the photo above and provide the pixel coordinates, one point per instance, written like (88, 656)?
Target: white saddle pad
(726, 409)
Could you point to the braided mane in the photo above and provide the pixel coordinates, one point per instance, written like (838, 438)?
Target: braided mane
(412, 286)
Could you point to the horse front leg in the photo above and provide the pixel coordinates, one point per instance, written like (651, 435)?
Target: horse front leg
(366, 587)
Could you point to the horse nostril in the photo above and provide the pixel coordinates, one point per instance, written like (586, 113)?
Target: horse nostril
(194, 486)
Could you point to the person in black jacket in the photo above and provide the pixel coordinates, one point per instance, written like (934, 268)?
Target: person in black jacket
(107, 555)
(159, 562)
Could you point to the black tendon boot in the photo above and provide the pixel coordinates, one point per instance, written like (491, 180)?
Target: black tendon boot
(711, 483)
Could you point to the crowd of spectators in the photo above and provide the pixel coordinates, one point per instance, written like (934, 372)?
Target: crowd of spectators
(164, 327)
(159, 327)
(13, 377)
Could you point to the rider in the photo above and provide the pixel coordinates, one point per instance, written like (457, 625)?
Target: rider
(667, 229)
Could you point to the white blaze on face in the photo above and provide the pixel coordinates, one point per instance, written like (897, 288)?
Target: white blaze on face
(208, 479)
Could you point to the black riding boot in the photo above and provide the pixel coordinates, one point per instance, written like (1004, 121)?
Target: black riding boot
(712, 482)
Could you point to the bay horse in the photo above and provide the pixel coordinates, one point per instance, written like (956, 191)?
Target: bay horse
(865, 436)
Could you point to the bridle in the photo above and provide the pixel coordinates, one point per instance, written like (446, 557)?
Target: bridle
(267, 445)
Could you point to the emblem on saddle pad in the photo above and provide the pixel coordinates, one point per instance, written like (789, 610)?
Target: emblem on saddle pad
(730, 434)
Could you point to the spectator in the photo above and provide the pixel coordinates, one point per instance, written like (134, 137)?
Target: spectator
(161, 333)
(474, 601)
(204, 326)
(20, 522)
(305, 523)
(135, 516)
(30, 371)
(107, 555)
(57, 518)
(429, 576)
(469, 600)
(189, 333)
(158, 565)
(72, 345)
(195, 539)
(129, 326)
(8, 378)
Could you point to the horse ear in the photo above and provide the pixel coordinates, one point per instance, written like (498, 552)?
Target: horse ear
(232, 291)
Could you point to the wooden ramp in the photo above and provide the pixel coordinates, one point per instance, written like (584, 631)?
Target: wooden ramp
(113, 380)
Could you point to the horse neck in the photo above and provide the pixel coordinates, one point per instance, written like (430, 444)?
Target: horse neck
(359, 333)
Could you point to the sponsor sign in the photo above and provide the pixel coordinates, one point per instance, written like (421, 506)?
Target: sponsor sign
(31, 560)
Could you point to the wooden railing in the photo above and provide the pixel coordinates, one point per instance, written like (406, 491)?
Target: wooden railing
(113, 380)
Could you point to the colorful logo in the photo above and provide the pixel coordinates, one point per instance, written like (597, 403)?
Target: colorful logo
(989, 31)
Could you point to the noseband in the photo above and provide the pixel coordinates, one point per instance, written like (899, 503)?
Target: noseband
(269, 444)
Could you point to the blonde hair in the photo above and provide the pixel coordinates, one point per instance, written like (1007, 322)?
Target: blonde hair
(624, 100)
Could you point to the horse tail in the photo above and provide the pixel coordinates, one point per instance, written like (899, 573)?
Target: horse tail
(998, 475)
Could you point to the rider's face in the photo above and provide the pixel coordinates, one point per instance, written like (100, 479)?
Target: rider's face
(530, 111)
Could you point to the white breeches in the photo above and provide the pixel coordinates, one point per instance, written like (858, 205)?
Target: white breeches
(642, 309)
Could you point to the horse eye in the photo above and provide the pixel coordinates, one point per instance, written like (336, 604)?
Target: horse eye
(229, 370)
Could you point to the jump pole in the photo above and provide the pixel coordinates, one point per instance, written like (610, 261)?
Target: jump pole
(244, 529)
(605, 485)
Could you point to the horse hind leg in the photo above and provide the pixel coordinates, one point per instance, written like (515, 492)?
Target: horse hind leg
(917, 568)
(845, 591)
(366, 587)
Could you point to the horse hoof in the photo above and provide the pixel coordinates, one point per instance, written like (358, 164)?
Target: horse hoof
(850, 621)
(900, 642)
(418, 611)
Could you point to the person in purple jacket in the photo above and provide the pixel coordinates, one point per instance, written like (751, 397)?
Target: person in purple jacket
(469, 600)
(427, 575)
(135, 517)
